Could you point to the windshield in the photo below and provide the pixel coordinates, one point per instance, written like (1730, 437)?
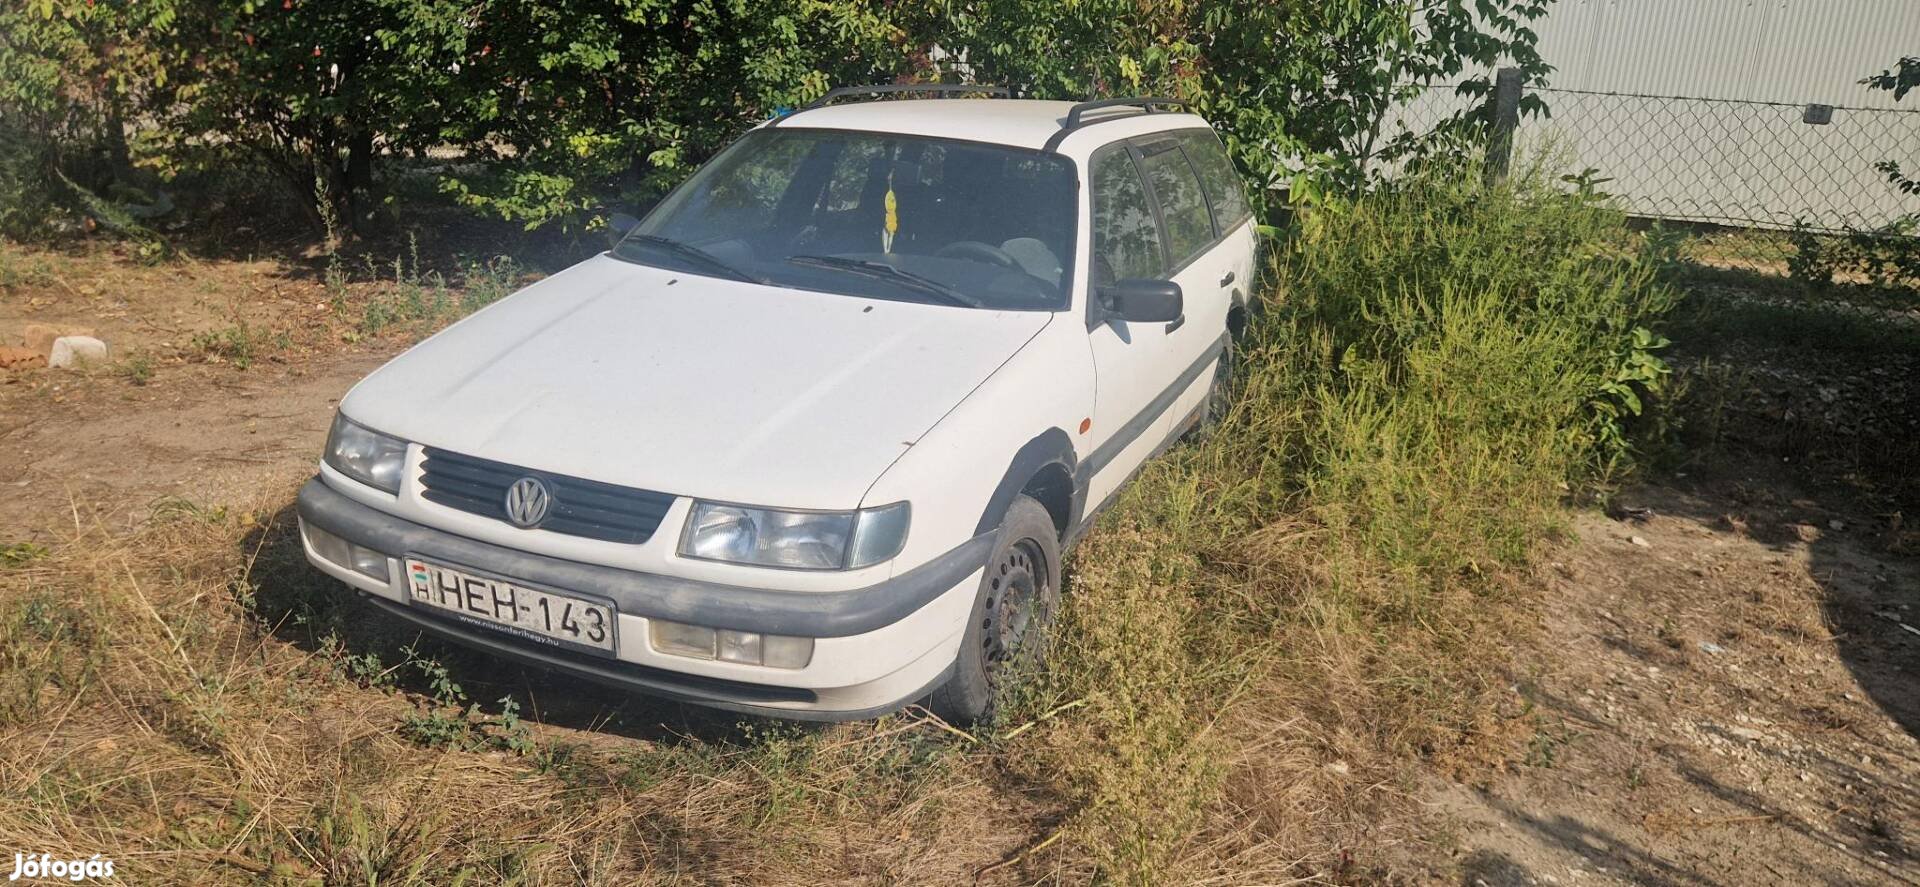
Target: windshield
(873, 214)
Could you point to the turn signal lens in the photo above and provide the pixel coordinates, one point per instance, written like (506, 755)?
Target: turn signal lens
(340, 552)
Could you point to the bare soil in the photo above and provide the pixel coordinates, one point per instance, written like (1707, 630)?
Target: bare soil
(151, 309)
(1724, 691)
(76, 452)
(222, 375)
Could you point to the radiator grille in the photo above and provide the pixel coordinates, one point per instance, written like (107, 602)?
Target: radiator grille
(581, 507)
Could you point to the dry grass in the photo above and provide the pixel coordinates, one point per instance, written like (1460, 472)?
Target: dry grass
(194, 704)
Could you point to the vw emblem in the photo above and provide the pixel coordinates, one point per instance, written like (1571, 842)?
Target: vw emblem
(527, 502)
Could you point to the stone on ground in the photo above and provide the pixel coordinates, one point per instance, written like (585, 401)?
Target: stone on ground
(72, 351)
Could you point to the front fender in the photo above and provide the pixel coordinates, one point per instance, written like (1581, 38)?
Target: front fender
(963, 474)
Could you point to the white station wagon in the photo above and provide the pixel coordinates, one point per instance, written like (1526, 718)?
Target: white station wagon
(812, 438)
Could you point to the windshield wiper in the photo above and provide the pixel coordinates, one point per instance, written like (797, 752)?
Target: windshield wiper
(884, 271)
(688, 250)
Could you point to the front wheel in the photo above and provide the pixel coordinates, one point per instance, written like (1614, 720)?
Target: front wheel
(1007, 629)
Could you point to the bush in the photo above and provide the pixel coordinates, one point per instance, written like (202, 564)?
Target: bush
(1471, 350)
(1440, 363)
(1885, 259)
(26, 194)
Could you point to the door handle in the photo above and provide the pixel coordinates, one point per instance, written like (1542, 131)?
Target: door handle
(1227, 280)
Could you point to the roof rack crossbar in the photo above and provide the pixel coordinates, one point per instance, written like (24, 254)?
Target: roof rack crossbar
(943, 90)
(1146, 104)
(1076, 118)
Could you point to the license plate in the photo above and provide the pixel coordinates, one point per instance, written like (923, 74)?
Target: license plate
(532, 613)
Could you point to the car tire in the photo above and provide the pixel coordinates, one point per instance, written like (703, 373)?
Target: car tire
(1012, 616)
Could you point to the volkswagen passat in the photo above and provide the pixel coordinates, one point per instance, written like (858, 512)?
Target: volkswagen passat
(811, 439)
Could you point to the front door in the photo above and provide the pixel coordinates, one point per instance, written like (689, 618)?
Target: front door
(1132, 361)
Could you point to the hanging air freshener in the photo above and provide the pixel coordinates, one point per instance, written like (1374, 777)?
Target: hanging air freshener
(893, 218)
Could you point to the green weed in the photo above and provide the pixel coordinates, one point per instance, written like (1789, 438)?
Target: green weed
(18, 554)
(1885, 259)
(1441, 362)
(137, 368)
(449, 720)
(239, 344)
(488, 282)
(17, 272)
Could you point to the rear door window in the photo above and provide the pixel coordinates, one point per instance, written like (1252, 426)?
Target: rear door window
(1221, 182)
(1176, 189)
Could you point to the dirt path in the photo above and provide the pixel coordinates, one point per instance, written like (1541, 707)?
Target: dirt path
(1725, 694)
(76, 449)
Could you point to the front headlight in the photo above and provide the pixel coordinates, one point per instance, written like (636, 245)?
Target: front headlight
(365, 455)
(801, 540)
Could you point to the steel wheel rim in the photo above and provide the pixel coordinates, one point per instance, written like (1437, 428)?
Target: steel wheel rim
(1016, 586)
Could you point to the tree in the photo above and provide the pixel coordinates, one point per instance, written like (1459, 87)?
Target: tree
(582, 103)
(1899, 80)
(315, 91)
(71, 75)
(560, 108)
(1298, 86)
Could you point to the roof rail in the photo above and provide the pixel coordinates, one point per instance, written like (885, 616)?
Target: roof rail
(943, 90)
(1076, 118)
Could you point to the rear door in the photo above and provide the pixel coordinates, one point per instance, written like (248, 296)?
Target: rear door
(1234, 255)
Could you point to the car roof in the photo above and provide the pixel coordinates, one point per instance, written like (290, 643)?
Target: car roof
(1024, 123)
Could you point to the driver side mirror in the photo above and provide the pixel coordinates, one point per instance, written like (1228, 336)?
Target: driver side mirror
(1137, 300)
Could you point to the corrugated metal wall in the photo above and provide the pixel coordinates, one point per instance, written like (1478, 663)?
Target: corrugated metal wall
(1794, 51)
(1711, 153)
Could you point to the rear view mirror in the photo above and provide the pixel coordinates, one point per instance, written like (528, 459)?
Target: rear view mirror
(1137, 300)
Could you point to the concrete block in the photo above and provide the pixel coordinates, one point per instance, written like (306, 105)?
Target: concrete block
(72, 351)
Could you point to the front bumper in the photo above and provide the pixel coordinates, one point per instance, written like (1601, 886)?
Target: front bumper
(875, 650)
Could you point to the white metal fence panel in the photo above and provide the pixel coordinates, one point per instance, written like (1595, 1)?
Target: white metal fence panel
(1697, 110)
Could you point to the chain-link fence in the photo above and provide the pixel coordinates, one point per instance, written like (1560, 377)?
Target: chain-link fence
(1766, 187)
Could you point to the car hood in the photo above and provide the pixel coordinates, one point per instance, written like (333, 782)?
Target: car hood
(692, 385)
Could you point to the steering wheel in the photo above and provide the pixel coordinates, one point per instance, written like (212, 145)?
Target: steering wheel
(978, 251)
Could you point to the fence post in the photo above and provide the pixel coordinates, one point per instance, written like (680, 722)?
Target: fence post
(1506, 119)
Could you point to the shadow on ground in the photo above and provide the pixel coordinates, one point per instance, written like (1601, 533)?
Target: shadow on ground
(1858, 552)
(1727, 694)
(307, 608)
